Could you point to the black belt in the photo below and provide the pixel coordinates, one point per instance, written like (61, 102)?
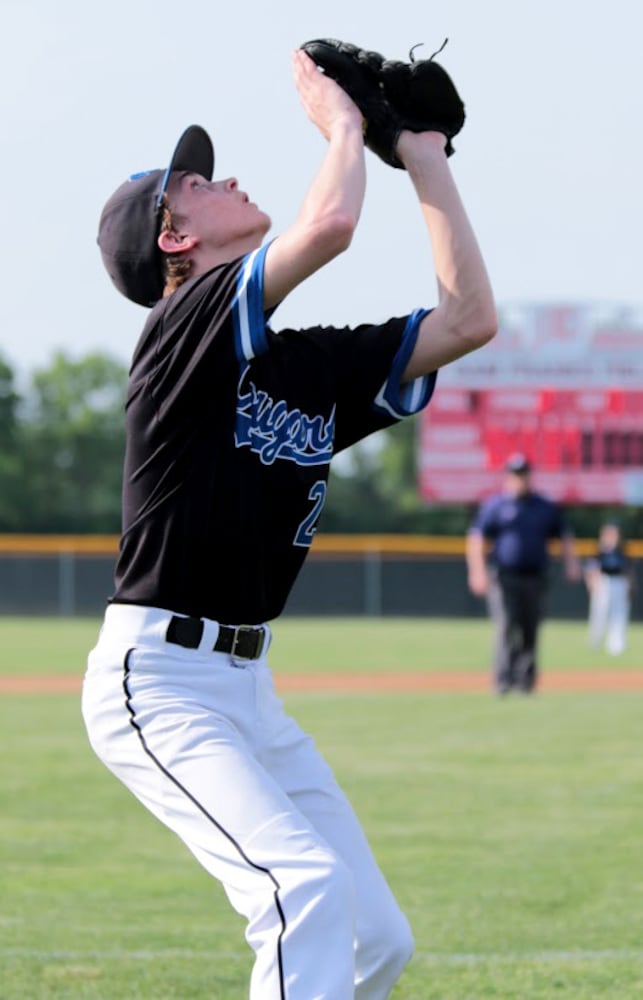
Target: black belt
(246, 642)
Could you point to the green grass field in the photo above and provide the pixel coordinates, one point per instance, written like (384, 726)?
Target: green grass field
(509, 829)
(323, 645)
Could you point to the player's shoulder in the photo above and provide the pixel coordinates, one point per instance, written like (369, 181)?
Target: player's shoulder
(200, 307)
(192, 291)
(496, 500)
(216, 280)
(542, 500)
(489, 506)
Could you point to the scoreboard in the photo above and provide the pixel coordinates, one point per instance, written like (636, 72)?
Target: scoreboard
(558, 384)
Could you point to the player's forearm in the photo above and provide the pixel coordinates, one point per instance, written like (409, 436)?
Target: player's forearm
(476, 566)
(326, 222)
(474, 551)
(337, 192)
(465, 317)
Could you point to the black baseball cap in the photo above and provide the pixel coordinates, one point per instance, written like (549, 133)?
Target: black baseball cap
(130, 220)
(518, 464)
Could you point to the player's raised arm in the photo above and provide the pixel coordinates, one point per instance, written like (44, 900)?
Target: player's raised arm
(465, 317)
(326, 221)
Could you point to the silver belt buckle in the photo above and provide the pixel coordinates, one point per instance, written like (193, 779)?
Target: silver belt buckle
(246, 630)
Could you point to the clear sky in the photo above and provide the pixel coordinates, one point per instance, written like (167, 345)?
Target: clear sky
(550, 161)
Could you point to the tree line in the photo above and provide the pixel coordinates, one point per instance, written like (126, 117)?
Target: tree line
(61, 455)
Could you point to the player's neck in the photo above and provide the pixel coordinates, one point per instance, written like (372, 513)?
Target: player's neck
(206, 258)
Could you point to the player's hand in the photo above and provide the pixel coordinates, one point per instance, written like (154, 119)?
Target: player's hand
(324, 101)
(478, 582)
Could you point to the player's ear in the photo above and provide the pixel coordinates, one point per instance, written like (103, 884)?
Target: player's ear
(171, 242)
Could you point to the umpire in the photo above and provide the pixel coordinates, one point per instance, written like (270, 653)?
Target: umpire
(518, 523)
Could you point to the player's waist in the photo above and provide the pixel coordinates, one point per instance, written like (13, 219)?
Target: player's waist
(526, 571)
(159, 626)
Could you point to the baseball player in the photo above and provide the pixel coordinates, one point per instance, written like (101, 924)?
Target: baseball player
(609, 578)
(231, 427)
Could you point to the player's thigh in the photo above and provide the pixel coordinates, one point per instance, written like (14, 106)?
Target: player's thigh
(310, 783)
(497, 602)
(194, 765)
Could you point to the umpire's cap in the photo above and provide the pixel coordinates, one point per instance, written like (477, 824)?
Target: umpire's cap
(518, 464)
(130, 221)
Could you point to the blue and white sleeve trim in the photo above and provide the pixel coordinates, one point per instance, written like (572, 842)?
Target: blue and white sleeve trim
(401, 400)
(247, 309)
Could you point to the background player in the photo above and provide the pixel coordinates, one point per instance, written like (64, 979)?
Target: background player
(230, 431)
(609, 576)
(518, 523)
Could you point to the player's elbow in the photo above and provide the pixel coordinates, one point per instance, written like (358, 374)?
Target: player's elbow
(480, 320)
(334, 234)
(339, 231)
(474, 322)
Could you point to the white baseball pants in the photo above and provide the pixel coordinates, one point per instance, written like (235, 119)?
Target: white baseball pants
(204, 742)
(609, 612)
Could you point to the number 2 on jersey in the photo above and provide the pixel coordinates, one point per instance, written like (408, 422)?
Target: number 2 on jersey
(306, 530)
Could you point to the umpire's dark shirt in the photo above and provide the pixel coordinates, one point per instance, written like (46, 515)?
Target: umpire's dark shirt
(519, 528)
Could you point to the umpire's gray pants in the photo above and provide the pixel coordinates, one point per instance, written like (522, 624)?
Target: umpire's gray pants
(515, 604)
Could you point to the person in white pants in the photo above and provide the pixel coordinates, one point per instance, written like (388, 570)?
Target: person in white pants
(609, 580)
(230, 430)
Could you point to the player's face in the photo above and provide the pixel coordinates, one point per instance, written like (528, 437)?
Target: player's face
(610, 536)
(516, 484)
(217, 213)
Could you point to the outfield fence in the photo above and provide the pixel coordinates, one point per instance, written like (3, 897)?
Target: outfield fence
(344, 575)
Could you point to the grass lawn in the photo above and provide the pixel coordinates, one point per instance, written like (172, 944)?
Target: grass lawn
(330, 645)
(510, 830)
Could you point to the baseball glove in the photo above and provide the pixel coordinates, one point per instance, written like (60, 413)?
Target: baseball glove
(392, 96)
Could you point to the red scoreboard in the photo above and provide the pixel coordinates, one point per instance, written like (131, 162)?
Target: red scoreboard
(561, 384)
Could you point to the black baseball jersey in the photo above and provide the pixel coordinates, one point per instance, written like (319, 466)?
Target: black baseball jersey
(613, 562)
(230, 431)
